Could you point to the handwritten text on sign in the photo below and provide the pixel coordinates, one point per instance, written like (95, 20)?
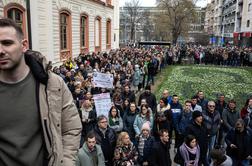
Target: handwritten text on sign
(102, 103)
(103, 80)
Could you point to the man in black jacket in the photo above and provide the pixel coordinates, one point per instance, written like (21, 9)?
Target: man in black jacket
(106, 137)
(161, 154)
(150, 99)
(197, 129)
(239, 143)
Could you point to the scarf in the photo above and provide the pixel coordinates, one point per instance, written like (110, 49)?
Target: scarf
(159, 109)
(249, 110)
(185, 150)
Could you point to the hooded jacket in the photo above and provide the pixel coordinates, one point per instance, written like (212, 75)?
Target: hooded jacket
(59, 116)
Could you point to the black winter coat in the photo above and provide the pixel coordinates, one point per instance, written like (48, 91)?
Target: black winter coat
(243, 141)
(200, 132)
(131, 96)
(88, 126)
(107, 143)
(161, 155)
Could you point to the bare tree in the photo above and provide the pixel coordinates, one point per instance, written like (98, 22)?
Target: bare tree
(133, 11)
(177, 15)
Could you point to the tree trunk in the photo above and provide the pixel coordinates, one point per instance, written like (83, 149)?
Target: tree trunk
(174, 38)
(132, 30)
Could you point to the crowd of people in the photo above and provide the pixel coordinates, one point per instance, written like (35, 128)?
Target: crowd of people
(225, 56)
(138, 129)
(48, 114)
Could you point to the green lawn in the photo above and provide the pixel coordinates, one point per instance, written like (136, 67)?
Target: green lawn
(185, 81)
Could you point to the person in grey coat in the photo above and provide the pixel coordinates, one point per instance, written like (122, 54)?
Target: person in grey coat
(90, 154)
(229, 115)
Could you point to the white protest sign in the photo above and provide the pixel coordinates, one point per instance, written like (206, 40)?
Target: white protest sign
(103, 80)
(102, 103)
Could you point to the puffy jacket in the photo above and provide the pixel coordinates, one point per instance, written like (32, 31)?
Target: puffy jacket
(59, 116)
(86, 159)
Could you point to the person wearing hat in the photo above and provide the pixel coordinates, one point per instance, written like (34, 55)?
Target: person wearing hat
(144, 144)
(198, 129)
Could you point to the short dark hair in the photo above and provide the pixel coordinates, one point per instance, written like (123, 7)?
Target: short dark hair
(174, 96)
(164, 99)
(188, 101)
(6, 22)
(218, 154)
(194, 97)
(162, 131)
(100, 117)
(90, 135)
(188, 139)
(232, 101)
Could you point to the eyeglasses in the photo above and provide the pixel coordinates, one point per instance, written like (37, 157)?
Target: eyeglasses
(211, 105)
(103, 121)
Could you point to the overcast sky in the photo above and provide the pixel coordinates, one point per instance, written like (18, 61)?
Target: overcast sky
(201, 3)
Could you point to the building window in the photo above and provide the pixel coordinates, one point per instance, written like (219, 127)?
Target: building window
(17, 13)
(248, 23)
(108, 34)
(63, 31)
(84, 33)
(65, 34)
(250, 7)
(98, 34)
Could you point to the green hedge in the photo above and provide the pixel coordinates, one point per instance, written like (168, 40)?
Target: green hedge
(185, 81)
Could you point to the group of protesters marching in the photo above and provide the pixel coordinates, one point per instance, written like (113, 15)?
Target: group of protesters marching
(138, 129)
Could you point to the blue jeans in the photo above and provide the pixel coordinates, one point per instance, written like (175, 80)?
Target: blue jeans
(211, 144)
(150, 78)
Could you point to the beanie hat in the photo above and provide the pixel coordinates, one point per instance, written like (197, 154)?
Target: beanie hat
(196, 114)
(146, 126)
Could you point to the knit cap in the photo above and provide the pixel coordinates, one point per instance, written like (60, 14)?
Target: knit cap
(146, 126)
